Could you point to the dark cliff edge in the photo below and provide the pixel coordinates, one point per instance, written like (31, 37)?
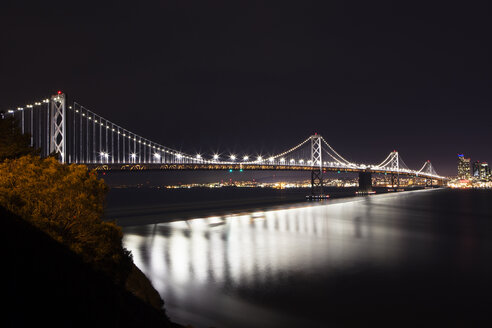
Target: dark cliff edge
(47, 284)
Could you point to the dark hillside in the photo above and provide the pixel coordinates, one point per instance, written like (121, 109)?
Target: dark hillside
(48, 285)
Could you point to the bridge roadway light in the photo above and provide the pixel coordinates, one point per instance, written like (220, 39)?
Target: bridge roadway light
(104, 155)
(259, 158)
(198, 156)
(245, 158)
(292, 161)
(233, 157)
(271, 159)
(216, 156)
(282, 160)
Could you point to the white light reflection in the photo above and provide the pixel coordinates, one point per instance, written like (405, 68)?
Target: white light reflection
(214, 253)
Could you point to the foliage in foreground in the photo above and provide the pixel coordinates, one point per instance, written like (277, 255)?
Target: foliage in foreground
(13, 143)
(66, 202)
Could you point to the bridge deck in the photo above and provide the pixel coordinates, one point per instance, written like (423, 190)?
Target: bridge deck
(244, 167)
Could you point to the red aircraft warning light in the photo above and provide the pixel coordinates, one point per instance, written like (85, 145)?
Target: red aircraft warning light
(59, 92)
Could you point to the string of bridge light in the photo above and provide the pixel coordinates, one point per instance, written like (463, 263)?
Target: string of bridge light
(29, 106)
(132, 136)
(346, 161)
(215, 159)
(430, 168)
(387, 159)
(179, 155)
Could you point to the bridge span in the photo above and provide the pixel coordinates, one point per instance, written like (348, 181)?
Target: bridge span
(80, 136)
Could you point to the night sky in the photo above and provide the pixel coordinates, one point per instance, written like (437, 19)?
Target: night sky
(206, 76)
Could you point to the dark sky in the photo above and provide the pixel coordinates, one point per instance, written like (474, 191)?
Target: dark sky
(230, 75)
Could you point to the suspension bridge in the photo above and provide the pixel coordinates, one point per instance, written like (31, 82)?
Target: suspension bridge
(80, 136)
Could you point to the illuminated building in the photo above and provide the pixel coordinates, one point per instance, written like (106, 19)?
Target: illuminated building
(463, 167)
(481, 170)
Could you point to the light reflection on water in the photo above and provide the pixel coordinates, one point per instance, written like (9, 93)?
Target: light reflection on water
(221, 254)
(235, 271)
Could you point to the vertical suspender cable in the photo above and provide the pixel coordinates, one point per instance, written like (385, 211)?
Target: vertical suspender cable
(32, 125)
(40, 127)
(100, 136)
(112, 143)
(47, 128)
(81, 124)
(118, 143)
(93, 137)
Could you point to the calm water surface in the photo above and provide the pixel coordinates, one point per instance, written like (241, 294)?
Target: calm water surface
(416, 258)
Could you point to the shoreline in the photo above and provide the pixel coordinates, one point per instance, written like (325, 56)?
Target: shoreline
(128, 216)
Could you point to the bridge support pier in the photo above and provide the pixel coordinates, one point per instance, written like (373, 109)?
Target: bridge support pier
(365, 183)
(316, 183)
(395, 180)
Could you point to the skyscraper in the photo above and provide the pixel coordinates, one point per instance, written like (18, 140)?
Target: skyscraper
(463, 167)
(481, 170)
(476, 169)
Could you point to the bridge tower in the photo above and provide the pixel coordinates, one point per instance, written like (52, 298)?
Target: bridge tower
(430, 170)
(317, 164)
(58, 126)
(395, 167)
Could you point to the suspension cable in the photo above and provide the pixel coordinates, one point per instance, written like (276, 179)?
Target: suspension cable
(333, 150)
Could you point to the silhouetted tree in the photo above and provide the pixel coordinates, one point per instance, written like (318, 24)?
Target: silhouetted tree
(65, 201)
(12, 142)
